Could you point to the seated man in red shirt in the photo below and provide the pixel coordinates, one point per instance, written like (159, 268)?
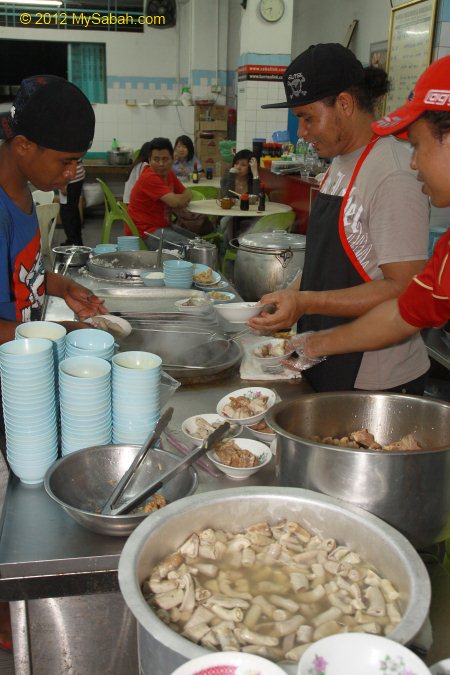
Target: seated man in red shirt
(156, 193)
(425, 120)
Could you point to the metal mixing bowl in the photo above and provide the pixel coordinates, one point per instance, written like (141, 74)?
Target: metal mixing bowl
(161, 649)
(407, 489)
(82, 481)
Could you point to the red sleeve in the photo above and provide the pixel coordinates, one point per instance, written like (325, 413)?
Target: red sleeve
(425, 303)
(153, 186)
(177, 186)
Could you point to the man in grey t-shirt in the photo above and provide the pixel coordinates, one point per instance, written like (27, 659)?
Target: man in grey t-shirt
(368, 229)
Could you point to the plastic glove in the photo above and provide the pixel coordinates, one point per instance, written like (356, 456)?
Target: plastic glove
(300, 361)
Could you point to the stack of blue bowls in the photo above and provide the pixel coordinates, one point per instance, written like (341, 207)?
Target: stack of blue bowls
(128, 243)
(29, 410)
(178, 273)
(90, 342)
(136, 402)
(105, 248)
(85, 402)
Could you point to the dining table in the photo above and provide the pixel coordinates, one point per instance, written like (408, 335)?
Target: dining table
(211, 207)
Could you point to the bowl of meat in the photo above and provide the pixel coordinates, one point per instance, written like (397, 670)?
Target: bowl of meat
(204, 276)
(271, 353)
(199, 427)
(385, 449)
(262, 431)
(239, 458)
(194, 305)
(246, 406)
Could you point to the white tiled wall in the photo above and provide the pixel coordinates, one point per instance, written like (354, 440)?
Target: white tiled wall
(253, 121)
(132, 126)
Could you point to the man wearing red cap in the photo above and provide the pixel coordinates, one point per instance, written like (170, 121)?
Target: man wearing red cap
(425, 120)
(48, 129)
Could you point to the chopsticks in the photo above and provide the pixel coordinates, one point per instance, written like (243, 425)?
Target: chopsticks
(203, 463)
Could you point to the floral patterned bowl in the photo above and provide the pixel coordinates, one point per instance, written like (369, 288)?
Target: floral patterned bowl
(229, 663)
(358, 653)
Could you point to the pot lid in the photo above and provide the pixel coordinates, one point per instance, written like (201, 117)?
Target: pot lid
(273, 240)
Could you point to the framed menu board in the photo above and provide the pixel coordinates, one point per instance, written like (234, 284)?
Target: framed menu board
(410, 45)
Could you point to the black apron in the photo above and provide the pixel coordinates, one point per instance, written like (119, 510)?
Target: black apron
(330, 264)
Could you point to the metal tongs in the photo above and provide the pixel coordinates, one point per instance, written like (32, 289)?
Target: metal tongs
(150, 441)
(207, 445)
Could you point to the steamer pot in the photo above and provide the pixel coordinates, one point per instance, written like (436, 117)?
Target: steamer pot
(266, 262)
(408, 489)
(161, 650)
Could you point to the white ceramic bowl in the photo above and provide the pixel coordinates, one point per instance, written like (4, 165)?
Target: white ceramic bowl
(121, 327)
(238, 312)
(199, 269)
(189, 427)
(203, 306)
(359, 654)
(249, 392)
(264, 361)
(262, 435)
(229, 663)
(259, 449)
(226, 297)
(153, 279)
(441, 668)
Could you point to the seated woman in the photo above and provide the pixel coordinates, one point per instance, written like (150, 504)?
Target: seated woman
(138, 165)
(184, 156)
(242, 178)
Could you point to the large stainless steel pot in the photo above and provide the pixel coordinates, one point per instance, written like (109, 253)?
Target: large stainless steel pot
(124, 265)
(120, 157)
(409, 489)
(200, 251)
(161, 650)
(266, 261)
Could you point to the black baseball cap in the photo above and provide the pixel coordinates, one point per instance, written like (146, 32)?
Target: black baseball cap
(51, 112)
(321, 70)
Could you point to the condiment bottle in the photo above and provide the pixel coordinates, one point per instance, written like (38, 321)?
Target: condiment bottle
(261, 198)
(244, 203)
(114, 144)
(195, 173)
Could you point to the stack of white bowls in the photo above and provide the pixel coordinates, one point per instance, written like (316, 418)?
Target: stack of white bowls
(85, 402)
(49, 331)
(90, 342)
(178, 273)
(136, 403)
(105, 248)
(128, 243)
(29, 410)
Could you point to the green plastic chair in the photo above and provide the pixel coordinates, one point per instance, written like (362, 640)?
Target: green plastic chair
(269, 223)
(114, 211)
(208, 191)
(197, 196)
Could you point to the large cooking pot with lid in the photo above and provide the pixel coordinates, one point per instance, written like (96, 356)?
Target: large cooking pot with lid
(266, 262)
(198, 250)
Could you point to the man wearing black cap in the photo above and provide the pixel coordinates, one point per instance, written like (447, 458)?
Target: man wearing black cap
(368, 229)
(49, 127)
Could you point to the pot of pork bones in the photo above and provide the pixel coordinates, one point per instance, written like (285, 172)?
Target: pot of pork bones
(387, 453)
(237, 569)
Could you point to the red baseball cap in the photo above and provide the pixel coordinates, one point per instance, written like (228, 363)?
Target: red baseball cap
(432, 92)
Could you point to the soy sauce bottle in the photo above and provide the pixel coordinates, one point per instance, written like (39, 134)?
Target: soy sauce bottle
(244, 203)
(195, 173)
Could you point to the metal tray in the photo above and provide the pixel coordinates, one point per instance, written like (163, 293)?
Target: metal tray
(144, 301)
(124, 264)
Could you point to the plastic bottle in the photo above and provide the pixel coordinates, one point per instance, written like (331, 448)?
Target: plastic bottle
(195, 173)
(301, 148)
(261, 198)
(115, 145)
(186, 96)
(244, 202)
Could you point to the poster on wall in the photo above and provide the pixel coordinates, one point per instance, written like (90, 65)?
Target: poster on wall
(410, 46)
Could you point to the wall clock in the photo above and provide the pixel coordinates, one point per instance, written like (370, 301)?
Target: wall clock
(271, 10)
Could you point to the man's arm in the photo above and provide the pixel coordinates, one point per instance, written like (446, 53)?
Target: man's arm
(346, 302)
(80, 299)
(381, 327)
(176, 201)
